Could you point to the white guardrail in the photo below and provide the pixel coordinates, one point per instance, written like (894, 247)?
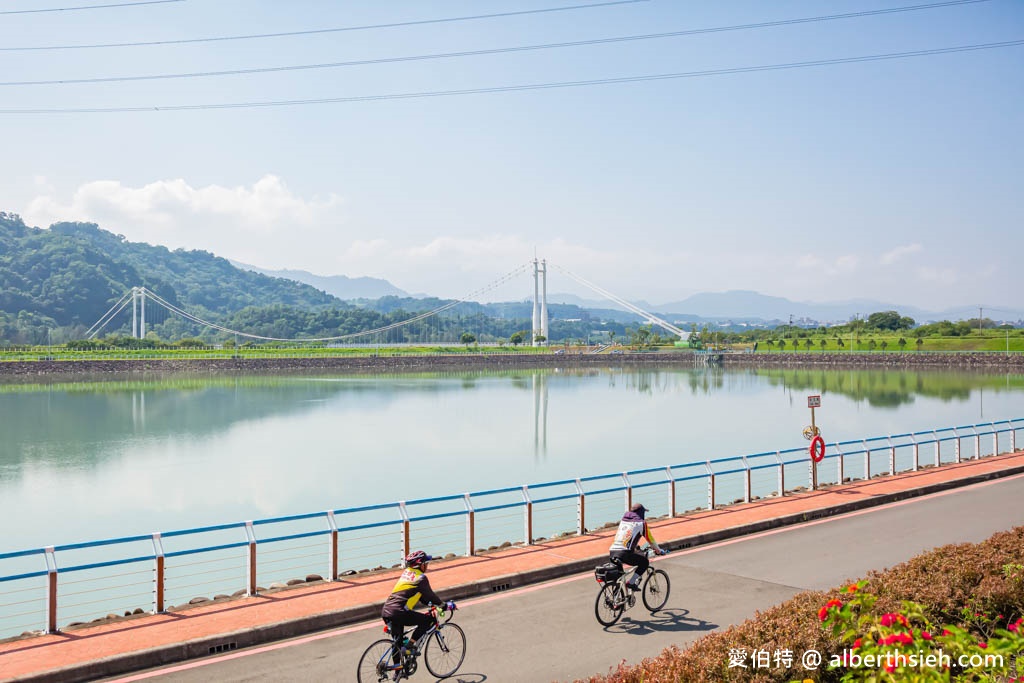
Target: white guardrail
(45, 589)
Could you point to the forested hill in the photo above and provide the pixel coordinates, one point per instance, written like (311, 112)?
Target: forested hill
(73, 273)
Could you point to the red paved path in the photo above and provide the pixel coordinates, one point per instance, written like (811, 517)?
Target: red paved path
(33, 657)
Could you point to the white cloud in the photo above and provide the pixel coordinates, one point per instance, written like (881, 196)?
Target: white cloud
(845, 264)
(263, 220)
(893, 255)
(269, 226)
(945, 276)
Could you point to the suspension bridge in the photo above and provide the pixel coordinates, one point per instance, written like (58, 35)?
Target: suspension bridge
(424, 326)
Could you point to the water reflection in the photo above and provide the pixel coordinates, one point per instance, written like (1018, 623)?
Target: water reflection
(105, 458)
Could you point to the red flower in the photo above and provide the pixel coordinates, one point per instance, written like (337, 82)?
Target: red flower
(946, 632)
(856, 644)
(926, 635)
(890, 619)
(852, 588)
(823, 612)
(890, 667)
(983, 645)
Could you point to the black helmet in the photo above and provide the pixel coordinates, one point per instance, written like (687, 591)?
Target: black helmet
(417, 558)
(638, 509)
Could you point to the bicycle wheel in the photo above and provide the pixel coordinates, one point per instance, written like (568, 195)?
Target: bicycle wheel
(656, 589)
(377, 663)
(610, 604)
(445, 650)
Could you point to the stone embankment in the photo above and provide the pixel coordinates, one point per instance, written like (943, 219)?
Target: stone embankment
(909, 360)
(504, 361)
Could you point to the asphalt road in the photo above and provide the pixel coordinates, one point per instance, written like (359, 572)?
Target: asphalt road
(548, 632)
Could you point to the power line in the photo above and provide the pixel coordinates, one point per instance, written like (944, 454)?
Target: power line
(84, 7)
(310, 32)
(529, 86)
(491, 51)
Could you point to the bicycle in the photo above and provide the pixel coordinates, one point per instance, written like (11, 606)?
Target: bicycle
(443, 648)
(614, 598)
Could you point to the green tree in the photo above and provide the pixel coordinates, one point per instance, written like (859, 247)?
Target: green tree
(517, 338)
(902, 343)
(782, 345)
(889, 320)
(871, 345)
(919, 342)
(822, 344)
(467, 338)
(807, 344)
(884, 345)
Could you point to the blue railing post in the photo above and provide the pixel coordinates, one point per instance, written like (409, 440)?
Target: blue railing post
(781, 473)
(406, 530)
(470, 525)
(250, 535)
(812, 474)
(711, 485)
(51, 593)
(158, 588)
(332, 556)
(528, 515)
(581, 509)
(746, 479)
(671, 492)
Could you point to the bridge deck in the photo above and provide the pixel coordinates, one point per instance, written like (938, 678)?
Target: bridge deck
(131, 644)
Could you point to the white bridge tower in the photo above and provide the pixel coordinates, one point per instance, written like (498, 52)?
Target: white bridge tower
(540, 303)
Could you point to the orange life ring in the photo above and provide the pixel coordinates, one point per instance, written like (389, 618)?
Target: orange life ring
(817, 449)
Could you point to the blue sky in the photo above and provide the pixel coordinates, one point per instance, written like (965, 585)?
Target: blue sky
(899, 180)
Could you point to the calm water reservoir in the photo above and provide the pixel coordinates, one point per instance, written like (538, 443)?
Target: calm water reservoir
(87, 460)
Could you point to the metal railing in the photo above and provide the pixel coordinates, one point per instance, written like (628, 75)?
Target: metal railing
(42, 589)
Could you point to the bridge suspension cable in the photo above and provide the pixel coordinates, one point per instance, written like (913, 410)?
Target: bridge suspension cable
(156, 298)
(649, 317)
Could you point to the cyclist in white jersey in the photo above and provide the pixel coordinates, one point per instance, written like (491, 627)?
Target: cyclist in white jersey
(632, 529)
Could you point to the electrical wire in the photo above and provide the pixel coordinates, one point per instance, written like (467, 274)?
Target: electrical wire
(286, 34)
(525, 87)
(490, 51)
(84, 7)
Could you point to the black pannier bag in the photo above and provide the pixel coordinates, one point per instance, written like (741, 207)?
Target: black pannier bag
(608, 572)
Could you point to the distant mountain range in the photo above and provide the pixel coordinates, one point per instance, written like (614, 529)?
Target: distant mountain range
(340, 286)
(737, 306)
(749, 306)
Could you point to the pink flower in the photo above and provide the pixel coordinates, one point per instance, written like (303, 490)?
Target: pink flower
(983, 645)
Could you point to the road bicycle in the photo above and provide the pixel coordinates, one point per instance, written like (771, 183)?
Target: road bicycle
(392, 659)
(615, 598)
